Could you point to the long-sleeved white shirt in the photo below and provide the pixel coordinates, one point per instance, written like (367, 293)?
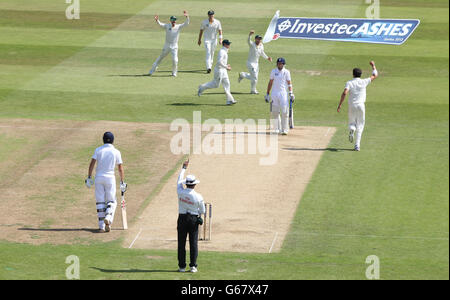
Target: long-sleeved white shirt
(222, 59)
(173, 33)
(189, 201)
(255, 52)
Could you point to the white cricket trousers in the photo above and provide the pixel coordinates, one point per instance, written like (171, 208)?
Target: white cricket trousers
(356, 120)
(210, 47)
(105, 196)
(280, 106)
(165, 51)
(220, 77)
(253, 70)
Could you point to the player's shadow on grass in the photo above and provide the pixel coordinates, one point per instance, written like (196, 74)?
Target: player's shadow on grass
(317, 149)
(60, 229)
(138, 75)
(195, 104)
(133, 271)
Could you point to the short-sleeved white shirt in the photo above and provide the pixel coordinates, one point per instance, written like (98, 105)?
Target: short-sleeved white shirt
(107, 157)
(357, 90)
(210, 30)
(280, 79)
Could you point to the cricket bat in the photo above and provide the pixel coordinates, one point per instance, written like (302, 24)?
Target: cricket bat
(124, 213)
(291, 114)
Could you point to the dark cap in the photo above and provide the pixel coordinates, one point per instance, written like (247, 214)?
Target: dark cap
(258, 37)
(210, 13)
(108, 138)
(173, 18)
(226, 42)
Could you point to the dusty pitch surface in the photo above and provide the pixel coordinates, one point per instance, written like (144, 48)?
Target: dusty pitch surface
(44, 164)
(253, 205)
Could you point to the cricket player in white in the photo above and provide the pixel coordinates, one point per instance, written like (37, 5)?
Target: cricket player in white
(190, 207)
(220, 74)
(209, 29)
(280, 83)
(106, 157)
(356, 91)
(171, 44)
(256, 50)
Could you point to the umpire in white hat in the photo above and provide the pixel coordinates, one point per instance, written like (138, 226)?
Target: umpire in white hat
(190, 207)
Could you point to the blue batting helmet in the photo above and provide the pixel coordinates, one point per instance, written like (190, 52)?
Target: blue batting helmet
(281, 60)
(108, 138)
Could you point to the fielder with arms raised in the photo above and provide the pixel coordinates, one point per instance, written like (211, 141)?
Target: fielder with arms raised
(107, 158)
(190, 207)
(256, 50)
(171, 45)
(356, 91)
(280, 83)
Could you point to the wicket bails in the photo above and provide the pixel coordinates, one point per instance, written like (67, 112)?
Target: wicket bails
(205, 229)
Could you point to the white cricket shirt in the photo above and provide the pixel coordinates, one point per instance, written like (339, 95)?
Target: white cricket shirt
(210, 30)
(357, 90)
(107, 158)
(173, 33)
(280, 79)
(189, 201)
(255, 52)
(222, 59)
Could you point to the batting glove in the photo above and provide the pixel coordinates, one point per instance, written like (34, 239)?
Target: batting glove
(267, 98)
(123, 187)
(292, 97)
(89, 182)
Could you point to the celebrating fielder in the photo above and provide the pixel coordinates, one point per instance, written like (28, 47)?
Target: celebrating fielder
(356, 90)
(280, 83)
(171, 44)
(106, 157)
(256, 50)
(220, 74)
(209, 28)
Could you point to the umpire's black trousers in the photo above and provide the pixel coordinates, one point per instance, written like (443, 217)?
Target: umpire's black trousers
(187, 224)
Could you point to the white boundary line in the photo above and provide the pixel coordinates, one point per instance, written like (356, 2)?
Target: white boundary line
(135, 239)
(273, 242)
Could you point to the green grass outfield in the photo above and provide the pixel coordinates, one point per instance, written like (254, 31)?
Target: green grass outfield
(389, 200)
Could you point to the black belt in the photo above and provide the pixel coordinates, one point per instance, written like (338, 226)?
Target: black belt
(188, 214)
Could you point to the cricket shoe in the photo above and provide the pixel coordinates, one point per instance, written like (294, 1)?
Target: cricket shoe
(357, 148)
(174, 74)
(254, 92)
(284, 133)
(193, 270)
(107, 224)
(231, 102)
(208, 71)
(101, 230)
(182, 270)
(351, 134)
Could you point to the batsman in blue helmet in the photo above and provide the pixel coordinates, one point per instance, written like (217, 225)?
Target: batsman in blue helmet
(282, 98)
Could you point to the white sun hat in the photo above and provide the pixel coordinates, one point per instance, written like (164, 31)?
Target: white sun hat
(191, 180)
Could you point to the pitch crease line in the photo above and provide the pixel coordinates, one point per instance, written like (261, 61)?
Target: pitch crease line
(273, 242)
(135, 239)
